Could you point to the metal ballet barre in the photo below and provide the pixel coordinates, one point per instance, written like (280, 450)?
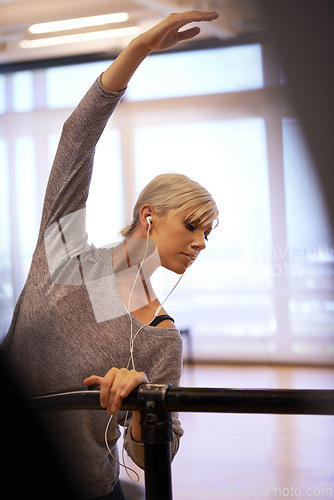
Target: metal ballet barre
(156, 402)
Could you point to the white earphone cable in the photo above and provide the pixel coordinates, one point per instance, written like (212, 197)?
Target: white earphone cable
(131, 362)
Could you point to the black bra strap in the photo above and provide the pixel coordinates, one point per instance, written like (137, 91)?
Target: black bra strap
(160, 318)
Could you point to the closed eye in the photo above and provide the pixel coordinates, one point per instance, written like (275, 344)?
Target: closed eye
(190, 226)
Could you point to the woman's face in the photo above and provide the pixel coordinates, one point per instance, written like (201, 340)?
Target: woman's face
(179, 242)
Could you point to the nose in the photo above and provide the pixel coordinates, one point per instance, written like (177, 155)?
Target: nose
(199, 242)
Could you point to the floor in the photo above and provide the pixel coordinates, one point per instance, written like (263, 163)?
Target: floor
(240, 456)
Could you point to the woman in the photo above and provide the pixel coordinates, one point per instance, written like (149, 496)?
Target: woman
(86, 313)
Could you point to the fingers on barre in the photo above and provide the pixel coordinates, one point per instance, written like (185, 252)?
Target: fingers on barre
(115, 386)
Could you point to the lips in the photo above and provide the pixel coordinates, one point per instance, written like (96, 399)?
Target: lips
(190, 256)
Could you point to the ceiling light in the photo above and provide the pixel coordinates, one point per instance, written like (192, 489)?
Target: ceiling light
(80, 22)
(80, 37)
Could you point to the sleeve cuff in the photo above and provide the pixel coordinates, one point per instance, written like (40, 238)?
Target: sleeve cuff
(136, 450)
(117, 93)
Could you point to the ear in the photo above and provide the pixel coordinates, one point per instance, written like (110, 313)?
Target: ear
(146, 211)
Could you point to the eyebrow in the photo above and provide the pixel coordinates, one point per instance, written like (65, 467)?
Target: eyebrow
(207, 230)
(188, 218)
(198, 221)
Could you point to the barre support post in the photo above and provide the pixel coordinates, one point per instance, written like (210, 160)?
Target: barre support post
(157, 434)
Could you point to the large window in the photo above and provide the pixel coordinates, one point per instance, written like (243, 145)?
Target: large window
(264, 287)
(233, 288)
(309, 251)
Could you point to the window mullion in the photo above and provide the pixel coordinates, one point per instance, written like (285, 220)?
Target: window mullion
(279, 250)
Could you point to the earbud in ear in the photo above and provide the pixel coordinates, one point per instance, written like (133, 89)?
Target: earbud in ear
(149, 220)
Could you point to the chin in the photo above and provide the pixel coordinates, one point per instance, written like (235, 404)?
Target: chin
(176, 265)
(176, 268)
(180, 271)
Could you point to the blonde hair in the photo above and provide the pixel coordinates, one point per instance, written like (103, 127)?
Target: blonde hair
(175, 191)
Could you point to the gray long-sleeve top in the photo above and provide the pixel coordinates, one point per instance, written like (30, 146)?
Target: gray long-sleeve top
(69, 322)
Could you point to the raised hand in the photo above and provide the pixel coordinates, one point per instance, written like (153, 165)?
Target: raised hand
(163, 35)
(166, 34)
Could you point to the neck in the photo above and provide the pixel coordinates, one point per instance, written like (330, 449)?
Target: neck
(133, 271)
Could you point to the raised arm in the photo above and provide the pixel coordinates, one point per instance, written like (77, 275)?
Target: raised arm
(162, 36)
(70, 177)
(117, 384)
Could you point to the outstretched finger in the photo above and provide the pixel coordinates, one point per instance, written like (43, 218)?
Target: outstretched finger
(188, 34)
(192, 16)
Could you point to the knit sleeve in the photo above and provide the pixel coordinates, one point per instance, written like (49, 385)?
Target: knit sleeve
(69, 181)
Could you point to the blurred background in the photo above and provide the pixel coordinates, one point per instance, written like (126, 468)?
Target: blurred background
(219, 110)
(246, 110)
